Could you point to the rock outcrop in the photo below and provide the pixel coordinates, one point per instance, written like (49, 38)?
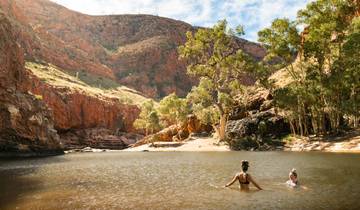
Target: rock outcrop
(26, 125)
(176, 133)
(100, 138)
(254, 123)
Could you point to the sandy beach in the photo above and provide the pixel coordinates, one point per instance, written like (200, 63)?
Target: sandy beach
(349, 143)
(199, 144)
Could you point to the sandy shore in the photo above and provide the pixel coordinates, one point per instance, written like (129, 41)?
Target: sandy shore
(199, 144)
(349, 143)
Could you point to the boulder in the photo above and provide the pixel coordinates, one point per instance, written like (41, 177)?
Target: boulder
(256, 130)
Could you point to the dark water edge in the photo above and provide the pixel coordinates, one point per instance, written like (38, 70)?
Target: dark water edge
(30, 154)
(43, 154)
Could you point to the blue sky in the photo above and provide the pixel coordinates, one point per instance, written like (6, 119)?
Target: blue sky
(252, 14)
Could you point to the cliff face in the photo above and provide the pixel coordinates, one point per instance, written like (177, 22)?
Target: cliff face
(139, 51)
(26, 125)
(84, 114)
(74, 110)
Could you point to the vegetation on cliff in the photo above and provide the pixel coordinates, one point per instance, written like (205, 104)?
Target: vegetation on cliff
(98, 87)
(323, 93)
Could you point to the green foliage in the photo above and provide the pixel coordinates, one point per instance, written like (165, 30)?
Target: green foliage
(202, 102)
(325, 77)
(173, 109)
(349, 70)
(282, 40)
(148, 118)
(213, 58)
(262, 127)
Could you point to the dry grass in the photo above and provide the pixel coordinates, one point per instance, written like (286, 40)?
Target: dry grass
(282, 77)
(57, 77)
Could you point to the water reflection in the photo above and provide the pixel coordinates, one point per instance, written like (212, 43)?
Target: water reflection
(179, 180)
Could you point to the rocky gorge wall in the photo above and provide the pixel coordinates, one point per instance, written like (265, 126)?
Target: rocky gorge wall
(139, 51)
(85, 120)
(26, 125)
(73, 109)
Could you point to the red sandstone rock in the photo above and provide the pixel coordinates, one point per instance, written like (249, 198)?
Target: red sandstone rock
(176, 132)
(101, 138)
(26, 125)
(77, 110)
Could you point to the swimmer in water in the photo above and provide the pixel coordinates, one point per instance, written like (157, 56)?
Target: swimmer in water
(293, 178)
(244, 178)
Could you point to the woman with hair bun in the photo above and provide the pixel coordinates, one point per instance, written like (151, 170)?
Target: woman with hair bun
(293, 178)
(244, 178)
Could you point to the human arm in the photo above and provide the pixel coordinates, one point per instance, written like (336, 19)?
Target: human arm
(253, 181)
(232, 181)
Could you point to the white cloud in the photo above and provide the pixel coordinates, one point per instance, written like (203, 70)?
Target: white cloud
(253, 14)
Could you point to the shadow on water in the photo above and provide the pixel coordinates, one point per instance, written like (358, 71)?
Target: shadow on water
(16, 180)
(14, 185)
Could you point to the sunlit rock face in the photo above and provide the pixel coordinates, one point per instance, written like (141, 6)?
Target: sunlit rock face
(26, 125)
(180, 132)
(73, 109)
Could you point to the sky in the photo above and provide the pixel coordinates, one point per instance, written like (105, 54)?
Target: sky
(254, 15)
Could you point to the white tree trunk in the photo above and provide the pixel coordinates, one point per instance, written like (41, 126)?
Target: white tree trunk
(222, 128)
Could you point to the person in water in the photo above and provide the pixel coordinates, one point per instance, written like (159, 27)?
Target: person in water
(244, 178)
(293, 178)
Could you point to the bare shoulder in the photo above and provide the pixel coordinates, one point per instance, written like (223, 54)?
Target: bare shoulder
(248, 176)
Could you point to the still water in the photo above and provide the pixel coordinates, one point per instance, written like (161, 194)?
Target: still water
(179, 180)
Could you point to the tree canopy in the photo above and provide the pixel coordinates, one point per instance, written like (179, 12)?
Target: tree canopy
(215, 57)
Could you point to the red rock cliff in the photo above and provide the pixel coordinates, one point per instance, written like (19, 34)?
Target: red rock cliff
(77, 110)
(26, 125)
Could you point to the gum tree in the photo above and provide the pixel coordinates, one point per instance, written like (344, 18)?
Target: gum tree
(173, 110)
(214, 57)
(148, 118)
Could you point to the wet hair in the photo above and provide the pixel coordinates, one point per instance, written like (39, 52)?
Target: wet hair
(293, 172)
(244, 165)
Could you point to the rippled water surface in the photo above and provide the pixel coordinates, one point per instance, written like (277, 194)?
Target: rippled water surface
(179, 180)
